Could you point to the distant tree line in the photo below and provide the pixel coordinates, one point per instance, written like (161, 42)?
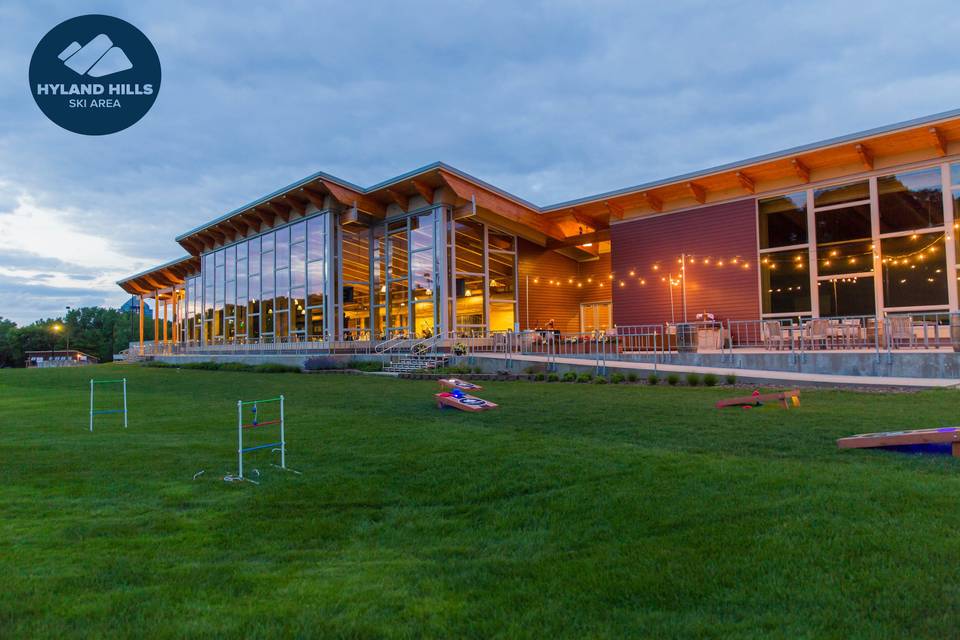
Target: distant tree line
(96, 331)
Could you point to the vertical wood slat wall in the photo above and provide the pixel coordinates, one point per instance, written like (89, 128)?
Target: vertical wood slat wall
(561, 303)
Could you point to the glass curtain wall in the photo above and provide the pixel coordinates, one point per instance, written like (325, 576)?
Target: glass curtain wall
(838, 237)
(288, 284)
(268, 288)
(405, 277)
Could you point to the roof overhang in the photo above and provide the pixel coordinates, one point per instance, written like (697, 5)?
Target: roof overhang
(164, 276)
(563, 225)
(915, 140)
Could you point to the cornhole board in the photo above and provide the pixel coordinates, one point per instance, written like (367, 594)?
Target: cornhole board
(464, 403)
(944, 439)
(456, 383)
(785, 398)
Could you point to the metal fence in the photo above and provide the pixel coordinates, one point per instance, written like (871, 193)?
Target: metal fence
(649, 342)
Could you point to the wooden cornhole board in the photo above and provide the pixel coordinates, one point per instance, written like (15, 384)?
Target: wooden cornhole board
(456, 383)
(464, 403)
(942, 436)
(785, 398)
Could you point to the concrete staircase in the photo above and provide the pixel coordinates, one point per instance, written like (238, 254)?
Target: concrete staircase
(409, 363)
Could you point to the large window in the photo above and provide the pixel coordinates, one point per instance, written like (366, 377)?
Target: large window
(783, 221)
(785, 282)
(910, 201)
(914, 270)
(845, 246)
(880, 241)
(784, 274)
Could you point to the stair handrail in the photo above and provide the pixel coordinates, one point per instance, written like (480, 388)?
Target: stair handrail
(430, 344)
(389, 345)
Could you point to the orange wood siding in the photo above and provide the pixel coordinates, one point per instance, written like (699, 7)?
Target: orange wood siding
(720, 231)
(561, 303)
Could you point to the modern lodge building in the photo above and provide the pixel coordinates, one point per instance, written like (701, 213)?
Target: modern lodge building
(856, 226)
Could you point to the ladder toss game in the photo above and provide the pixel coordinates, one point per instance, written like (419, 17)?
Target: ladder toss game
(94, 411)
(254, 424)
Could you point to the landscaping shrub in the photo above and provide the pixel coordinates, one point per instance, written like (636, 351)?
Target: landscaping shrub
(673, 379)
(569, 376)
(365, 365)
(599, 380)
(540, 376)
(632, 377)
(731, 378)
(476, 369)
(459, 370)
(710, 379)
(653, 379)
(552, 377)
(616, 378)
(275, 368)
(693, 379)
(585, 377)
(227, 366)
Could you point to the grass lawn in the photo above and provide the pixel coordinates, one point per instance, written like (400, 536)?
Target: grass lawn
(573, 511)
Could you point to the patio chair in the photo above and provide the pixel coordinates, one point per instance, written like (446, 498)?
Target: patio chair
(817, 333)
(850, 332)
(773, 335)
(900, 331)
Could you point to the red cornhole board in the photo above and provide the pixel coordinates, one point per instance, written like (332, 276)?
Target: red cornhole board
(785, 398)
(464, 403)
(456, 383)
(905, 439)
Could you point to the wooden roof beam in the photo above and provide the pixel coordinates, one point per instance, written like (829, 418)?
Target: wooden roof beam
(579, 240)
(939, 142)
(746, 182)
(500, 205)
(350, 198)
(294, 204)
(801, 169)
(281, 210)
(865, 155)
(154, 283)
(583, 219)
(655, 203)
(239, 225)
(698, 192)
(266, 216)
(401, 200)
(615, 210)
(468, 210)
(191, 245)
(425, 192)
(315, 197)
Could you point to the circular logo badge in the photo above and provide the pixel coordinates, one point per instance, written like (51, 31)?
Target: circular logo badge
(95, 74)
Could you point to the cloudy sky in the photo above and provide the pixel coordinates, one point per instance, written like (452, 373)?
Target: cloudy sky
(549, 100)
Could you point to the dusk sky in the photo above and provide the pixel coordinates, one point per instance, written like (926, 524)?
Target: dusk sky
(549, 101)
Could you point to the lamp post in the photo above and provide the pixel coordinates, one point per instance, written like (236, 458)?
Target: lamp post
(56, 328)
(66, 329)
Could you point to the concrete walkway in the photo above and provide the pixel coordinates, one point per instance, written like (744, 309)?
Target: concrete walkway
(757, 375)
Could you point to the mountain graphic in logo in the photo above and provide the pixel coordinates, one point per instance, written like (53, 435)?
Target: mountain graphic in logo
(97, 58)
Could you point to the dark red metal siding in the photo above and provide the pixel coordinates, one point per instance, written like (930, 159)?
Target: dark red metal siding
(720, 231)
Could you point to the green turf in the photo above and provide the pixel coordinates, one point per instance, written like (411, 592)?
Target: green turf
(573, 511)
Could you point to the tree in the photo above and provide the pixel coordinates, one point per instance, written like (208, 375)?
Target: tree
(8, 344)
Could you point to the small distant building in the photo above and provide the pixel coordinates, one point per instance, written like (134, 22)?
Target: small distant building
(133, 306)
(59, 358)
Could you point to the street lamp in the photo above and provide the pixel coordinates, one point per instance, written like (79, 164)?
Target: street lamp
(56, 328)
